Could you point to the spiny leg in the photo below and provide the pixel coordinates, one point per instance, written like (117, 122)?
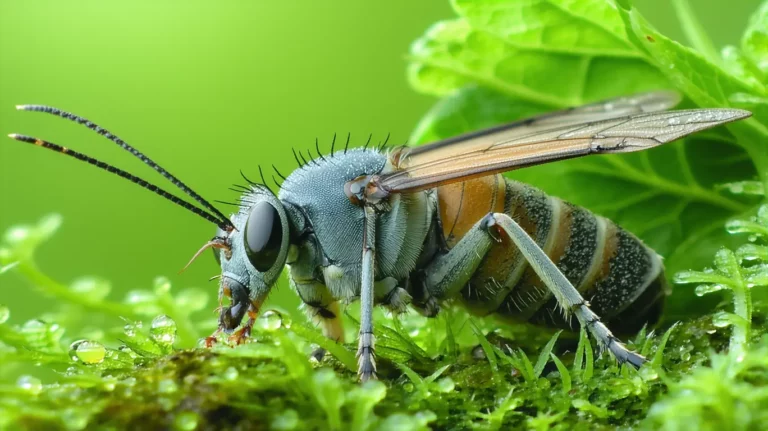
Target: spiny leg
(365, 351)
(567, 296)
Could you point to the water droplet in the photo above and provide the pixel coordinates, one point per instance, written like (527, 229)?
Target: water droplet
(230, 374)
(186, 421)
(408, 387)
(270, 321)
(87, 352)
(686, 356)
(5, 314)
(167, 386)
(722, 319)
(708, 288)
(445, 385)
(163, 330)
(33, 385)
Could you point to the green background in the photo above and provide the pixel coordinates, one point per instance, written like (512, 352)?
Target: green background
(205, 90)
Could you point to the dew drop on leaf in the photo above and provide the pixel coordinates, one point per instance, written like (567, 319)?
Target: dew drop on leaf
(721, 320)
(163, 330)
(87, 352)
(270, 321)
(704, 289)
(33, 385)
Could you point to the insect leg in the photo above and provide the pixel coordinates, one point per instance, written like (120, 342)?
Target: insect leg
(448, 273)
(328, 317)
(365, 351)
(567, 296)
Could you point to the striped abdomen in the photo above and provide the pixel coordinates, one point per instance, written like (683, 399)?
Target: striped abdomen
(620, 277)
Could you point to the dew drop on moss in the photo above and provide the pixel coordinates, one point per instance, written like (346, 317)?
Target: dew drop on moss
(163, 330)
(186, 421)
(721, 320)
(270, 321)
(5, 313)
(30, 384)
(87, 352)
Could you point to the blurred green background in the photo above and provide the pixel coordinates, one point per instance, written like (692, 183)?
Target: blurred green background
(206, 89)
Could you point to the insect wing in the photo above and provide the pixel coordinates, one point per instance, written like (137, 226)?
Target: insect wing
(549, 138)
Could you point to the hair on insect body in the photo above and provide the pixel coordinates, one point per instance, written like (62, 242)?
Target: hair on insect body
(416, 226)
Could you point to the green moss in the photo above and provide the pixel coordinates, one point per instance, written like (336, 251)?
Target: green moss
(445, 373)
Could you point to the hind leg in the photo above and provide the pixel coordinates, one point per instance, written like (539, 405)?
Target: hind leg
(569, 299)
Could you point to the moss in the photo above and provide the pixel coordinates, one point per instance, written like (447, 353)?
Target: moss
(445, 373)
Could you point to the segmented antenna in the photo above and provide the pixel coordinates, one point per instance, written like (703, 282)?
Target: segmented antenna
(224, 224)
(124, 145)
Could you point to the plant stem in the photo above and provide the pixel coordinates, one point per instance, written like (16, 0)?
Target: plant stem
(742, 307)
(32, 273)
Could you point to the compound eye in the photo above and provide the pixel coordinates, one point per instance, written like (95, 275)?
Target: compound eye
(263, 236)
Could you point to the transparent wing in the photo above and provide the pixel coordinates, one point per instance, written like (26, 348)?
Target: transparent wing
(592, 129)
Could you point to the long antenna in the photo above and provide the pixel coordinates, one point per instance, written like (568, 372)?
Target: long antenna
(224, 224)
(124, 145)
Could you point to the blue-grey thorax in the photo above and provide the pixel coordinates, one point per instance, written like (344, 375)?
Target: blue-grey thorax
(327, 229)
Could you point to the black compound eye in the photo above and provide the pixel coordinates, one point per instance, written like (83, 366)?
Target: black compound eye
(263, 236)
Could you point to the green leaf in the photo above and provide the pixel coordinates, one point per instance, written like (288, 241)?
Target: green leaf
(544, 355)
(565, 376)
(554, 53)
(754, 44)
(706, 83)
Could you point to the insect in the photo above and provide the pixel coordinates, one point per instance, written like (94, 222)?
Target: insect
(421, 225)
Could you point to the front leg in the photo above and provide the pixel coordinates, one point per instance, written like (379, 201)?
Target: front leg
(365, 351)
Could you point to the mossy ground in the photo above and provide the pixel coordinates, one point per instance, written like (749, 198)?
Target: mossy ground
(452, 372)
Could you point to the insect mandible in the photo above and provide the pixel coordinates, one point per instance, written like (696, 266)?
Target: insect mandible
(421, 225)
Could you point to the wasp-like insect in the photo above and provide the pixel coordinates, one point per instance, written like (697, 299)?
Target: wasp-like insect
(421, 225)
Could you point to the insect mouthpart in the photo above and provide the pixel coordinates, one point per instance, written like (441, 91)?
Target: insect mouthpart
(231, 316)
(215, 243)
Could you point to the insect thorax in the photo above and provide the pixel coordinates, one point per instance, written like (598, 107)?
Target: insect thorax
(328, 250)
